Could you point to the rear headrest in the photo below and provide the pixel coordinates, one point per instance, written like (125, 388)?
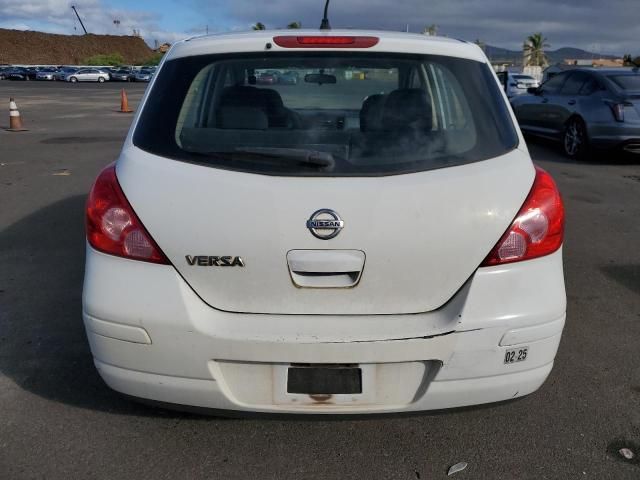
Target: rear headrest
(371, 113)
(242, 118)
(265, 99)
(272, 99)
(242, 95)
(407, 108)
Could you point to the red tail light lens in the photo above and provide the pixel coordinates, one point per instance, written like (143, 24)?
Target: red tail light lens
(112, 225)
(537, 230)
(325, 41)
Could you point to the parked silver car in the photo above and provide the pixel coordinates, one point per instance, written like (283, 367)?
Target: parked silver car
(585, 108)
(144, 75)
(45, 74)
(88, 75)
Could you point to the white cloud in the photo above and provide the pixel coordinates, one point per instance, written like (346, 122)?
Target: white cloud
(612, 24)
(15, 26)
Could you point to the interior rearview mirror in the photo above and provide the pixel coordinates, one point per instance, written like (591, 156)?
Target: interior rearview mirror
(319, 78)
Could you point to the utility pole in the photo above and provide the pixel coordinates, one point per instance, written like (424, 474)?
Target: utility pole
(73, 7)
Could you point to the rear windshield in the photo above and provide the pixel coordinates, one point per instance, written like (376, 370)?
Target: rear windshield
(326, 113)
(626, 82)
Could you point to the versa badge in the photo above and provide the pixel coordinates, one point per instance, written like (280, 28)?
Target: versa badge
(209, 261)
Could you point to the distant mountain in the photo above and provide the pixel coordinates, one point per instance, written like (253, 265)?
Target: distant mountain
(497, 54)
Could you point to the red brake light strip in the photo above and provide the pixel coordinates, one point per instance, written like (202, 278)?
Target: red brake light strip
(325, 41)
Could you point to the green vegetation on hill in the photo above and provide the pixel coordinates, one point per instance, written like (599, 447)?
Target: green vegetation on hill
(105, 59)
(153, 60)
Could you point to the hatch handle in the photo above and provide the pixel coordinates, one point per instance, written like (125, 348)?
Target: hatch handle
(325, 268)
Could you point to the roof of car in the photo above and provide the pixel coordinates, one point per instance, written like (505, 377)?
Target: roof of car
(618, 70)
(392, 42)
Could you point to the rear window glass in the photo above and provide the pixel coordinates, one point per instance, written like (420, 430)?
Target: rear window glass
(626, 82)
(555, 83)
(574, 83)
(326, 113)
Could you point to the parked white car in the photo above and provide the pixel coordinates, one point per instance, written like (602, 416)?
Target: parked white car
(376, 244)
(517, 83)
(88, 75)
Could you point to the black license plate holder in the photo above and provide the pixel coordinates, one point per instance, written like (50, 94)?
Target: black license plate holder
(324, 380)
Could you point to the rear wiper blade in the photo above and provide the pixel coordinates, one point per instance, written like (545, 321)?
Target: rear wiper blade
(301, 155)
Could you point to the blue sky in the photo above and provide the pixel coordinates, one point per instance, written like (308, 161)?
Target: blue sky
(604, 27)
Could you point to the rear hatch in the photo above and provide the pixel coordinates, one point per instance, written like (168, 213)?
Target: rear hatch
(411, 160)
(423, 234)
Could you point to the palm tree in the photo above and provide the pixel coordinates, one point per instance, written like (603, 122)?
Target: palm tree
(294, 25)
(533, 50)
(259, 26)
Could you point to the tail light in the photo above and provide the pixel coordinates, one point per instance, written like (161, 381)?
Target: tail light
(618, 111)
(537, 230)
(325, 41)
(112, 225)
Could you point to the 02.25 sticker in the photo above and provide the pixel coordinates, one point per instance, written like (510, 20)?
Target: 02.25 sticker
(516, 355)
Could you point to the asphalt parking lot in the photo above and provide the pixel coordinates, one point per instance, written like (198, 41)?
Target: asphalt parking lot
(59, 421)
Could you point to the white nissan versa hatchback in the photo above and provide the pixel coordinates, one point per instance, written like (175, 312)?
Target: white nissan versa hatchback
(371, 238)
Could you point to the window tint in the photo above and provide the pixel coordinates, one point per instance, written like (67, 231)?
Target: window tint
(325, 113)
(626, 82)
(574, 83)
(590, 86)
(554, 84)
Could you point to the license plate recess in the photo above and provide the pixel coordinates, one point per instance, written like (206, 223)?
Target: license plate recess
(324, 379)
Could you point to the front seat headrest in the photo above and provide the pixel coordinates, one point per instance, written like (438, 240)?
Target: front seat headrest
(371, 113)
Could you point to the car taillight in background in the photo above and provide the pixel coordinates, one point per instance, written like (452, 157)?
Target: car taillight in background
(325, 41)
(112, 225)
(537, 230)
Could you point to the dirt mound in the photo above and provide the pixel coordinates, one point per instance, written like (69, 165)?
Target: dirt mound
(34, 48)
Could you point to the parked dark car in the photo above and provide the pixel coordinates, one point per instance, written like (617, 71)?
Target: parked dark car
(64, 72)
(4, 71)
(267, 79)
(22, 73)
(122, 75)
(585, 109)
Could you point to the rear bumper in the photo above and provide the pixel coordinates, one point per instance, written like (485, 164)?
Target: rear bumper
(612, 135)
(153, 338)
(211, 394)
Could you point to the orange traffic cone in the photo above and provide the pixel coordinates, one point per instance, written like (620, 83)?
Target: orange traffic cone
(15, 123)
(124, 102)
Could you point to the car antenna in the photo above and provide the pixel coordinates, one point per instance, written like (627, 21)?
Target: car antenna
(324, 25)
